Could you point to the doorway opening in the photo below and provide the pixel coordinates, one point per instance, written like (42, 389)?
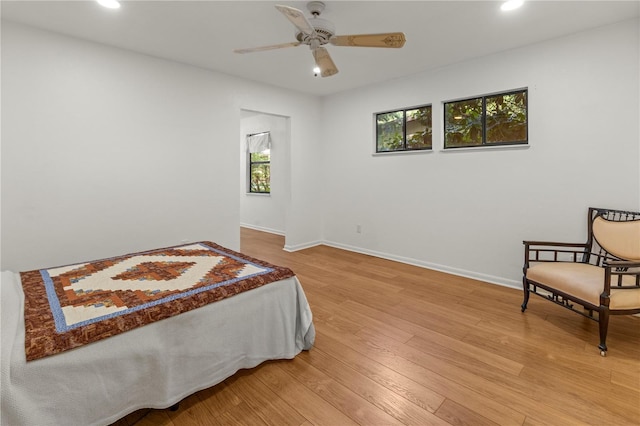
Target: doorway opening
(265, 211)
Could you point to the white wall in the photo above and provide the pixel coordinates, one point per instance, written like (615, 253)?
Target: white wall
(260, 211)
(468, 211)
(106, 151)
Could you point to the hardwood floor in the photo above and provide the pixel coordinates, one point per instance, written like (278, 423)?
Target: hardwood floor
(398, 344)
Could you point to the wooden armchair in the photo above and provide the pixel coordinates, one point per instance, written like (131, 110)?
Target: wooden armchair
(601, 275)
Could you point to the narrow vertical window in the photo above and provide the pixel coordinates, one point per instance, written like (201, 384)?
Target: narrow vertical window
(418, 128)
(259, 163)
(506, 118)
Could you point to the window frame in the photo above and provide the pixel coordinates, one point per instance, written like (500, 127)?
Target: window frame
(484, 143)
(250, 163)
(404, 130)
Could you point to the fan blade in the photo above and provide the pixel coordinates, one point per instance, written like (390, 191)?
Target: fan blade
(324, 62)
(272, 47)
(370, 40)
(297, 18)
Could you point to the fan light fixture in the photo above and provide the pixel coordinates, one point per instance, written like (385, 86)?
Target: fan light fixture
(511, 5)
(110, 4)
(317, 32)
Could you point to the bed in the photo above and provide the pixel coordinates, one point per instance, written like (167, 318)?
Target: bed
(149, 366)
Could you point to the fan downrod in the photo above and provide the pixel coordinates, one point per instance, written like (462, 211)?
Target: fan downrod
(315, 7)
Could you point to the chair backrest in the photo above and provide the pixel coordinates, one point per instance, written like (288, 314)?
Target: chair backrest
(614, 235)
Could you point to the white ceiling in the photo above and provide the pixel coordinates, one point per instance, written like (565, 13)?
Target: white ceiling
(204, 33)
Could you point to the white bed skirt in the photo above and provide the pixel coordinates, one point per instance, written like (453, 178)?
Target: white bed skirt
(154, 366)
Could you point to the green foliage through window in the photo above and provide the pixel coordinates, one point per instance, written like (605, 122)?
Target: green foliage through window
(404, 130)
(260, 172)
(500, 119)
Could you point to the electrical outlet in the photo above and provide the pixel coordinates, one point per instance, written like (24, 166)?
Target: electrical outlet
(359, 229)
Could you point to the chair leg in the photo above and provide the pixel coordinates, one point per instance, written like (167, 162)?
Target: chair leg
(603, 323)
(525, 287)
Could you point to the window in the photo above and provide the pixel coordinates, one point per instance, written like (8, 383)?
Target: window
(499, 119)
(259, 164)
(260, 172)
(404, 130)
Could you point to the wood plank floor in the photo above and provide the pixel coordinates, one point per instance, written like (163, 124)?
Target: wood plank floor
(398, 344)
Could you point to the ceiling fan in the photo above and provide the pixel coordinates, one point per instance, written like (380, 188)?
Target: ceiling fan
(315, 32)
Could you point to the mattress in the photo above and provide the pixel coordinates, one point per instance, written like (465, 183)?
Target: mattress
(154, 366)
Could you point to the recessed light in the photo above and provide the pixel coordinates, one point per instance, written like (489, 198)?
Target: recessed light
(511, 4)
(111, 4)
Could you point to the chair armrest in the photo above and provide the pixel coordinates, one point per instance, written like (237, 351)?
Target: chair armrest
(553, 244)
(621, 274)
(553, 251)
(622, 264)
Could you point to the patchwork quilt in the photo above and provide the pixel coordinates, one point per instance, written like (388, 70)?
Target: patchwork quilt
(69, 306)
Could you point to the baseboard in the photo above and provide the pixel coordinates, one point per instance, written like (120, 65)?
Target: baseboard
(262, 228)
(409, 261)
(292, 248)
(437, 267)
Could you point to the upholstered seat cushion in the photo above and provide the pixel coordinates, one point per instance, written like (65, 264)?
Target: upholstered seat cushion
(585, 282)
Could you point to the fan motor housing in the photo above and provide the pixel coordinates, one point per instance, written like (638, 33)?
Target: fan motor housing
(324, 30)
